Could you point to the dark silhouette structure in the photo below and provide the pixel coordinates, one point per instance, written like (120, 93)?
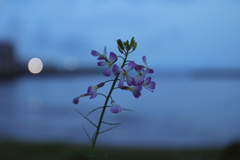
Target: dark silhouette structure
(7, 61)
(232, 152)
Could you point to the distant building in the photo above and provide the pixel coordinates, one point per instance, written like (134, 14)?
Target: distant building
(7, 61)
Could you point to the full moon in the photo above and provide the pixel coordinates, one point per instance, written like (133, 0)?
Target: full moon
(35, 65)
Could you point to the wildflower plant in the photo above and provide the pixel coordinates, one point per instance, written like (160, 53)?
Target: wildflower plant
(125, 82)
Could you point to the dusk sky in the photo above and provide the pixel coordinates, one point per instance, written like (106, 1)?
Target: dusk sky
(182, 40)
(171, 33)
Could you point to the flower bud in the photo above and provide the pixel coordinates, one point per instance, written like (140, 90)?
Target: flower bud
(127, 45)
(76, 100)
(120, 44)
(134, 46)
(120, 50)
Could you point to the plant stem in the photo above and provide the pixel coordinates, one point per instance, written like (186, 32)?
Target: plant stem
(104, 108)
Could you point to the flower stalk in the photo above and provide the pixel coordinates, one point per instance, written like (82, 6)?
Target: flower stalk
(104, 108)
(134, 85)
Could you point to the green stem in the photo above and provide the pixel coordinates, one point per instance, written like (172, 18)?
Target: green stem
(104, 108)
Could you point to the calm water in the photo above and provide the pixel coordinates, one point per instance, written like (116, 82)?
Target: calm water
(181, 112)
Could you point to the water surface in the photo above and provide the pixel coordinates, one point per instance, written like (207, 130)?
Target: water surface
(181, 112)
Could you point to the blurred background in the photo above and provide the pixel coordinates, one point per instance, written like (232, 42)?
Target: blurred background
(192, 45)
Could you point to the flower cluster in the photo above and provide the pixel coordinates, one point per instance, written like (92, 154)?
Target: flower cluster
(133, 83)
(122, 78)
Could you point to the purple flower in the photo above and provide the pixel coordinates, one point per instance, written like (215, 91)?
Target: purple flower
(148, 70)
(139, 79)
(92, 90)
(76, 99)
(100, 56)
(116, 108)
(148, 84)
(136, 90)
(109, 64)
(117, 70)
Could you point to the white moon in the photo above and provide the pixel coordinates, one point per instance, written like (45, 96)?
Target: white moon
(35, 65)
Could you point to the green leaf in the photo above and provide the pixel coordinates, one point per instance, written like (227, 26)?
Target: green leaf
(86, 118)
(111, 123)
(93, 111)
(108, 129)
(87, 134)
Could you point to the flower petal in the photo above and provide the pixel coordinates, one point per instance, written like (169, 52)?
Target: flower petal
(107, 71)
(95, 53)
(93, 95)
(130, 80)
(136, 79)
(112, 57)
(144, 60)
(151, 85)
(117, 69)
(137, 94)
(139, 68)
(102, 63)
(131, 66)
(137, 88)
(120, 84)
(147, 80)
(149, 71)
(116, 109)
(91, 90)
(141, 81)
